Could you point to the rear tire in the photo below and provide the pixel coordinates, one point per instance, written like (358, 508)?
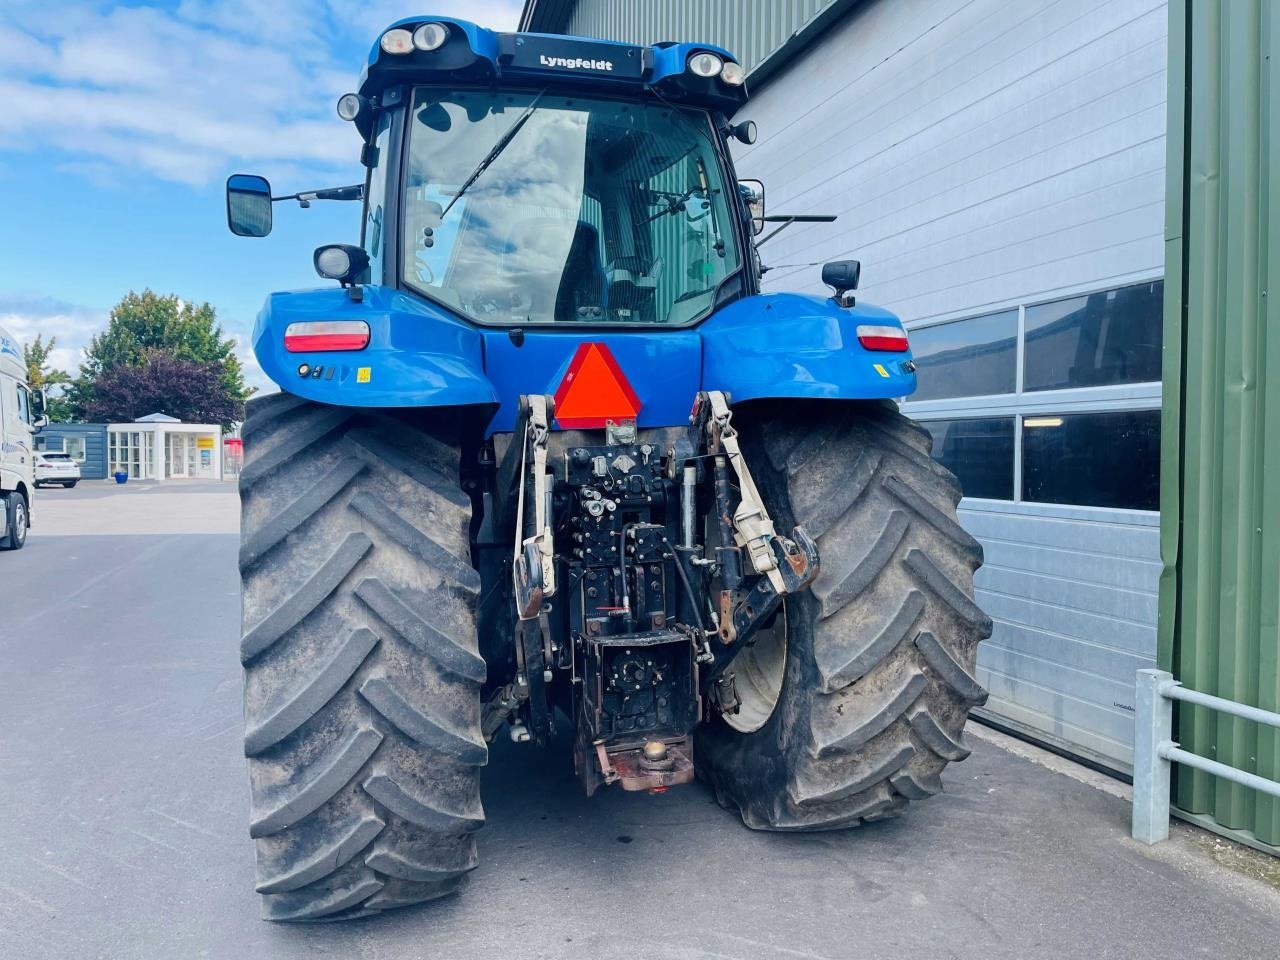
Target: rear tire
(879, 658)
(362, 676)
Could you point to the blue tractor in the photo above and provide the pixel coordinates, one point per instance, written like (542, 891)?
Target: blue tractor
(547, 464)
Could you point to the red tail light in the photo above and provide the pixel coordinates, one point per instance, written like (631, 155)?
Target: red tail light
(884, 338)
(326, 335)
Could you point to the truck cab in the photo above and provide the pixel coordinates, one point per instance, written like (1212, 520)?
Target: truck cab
(21, 414)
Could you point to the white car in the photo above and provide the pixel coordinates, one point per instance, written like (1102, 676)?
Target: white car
(56, 468)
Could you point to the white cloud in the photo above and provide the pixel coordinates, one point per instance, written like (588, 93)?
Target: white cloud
(28, 316)
(186, 94)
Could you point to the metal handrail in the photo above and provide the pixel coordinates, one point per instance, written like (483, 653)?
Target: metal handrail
(1155, 750)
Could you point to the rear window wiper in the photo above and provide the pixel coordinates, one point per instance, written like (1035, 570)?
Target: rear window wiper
(493, 153)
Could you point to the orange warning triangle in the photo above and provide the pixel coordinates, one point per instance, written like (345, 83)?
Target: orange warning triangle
(594, 390)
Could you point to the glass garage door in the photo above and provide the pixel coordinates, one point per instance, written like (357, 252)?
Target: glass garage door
(1050, 415)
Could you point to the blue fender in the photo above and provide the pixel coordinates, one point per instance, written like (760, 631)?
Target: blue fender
(796, 345)
(418, 355)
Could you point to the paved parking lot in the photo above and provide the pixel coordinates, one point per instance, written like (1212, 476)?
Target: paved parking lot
(123, 811)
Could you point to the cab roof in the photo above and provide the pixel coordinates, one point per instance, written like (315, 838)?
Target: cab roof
(474, 54)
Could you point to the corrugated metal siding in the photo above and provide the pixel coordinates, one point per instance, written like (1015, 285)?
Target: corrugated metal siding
(1220, 598)
(977, 154)
(752, 30)
(1073, 593)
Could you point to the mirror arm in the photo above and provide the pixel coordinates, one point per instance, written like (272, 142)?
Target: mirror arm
(304, 198)
(787, 219)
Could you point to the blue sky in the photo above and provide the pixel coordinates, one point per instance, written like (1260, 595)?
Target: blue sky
(120, 123)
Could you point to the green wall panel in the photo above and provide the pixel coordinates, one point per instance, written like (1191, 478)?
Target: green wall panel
(1220, 511)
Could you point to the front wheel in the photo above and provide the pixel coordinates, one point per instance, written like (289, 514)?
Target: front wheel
(70, 484)
(17, 521)
(855, 700)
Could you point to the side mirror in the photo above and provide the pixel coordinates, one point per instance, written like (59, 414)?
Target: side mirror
(248, 205)
(39, 409)
(752, 193)
(744, 132)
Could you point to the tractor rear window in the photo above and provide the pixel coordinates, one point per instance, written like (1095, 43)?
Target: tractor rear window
(527, 208)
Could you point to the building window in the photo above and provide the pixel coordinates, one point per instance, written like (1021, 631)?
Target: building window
(1093, 459)
(75, 447)
(990, 388)
(979, 451)
(131, 452)
(967, 358)
(1095, 340)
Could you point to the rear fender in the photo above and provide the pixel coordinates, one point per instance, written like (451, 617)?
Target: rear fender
(796, 345)
(418, 355)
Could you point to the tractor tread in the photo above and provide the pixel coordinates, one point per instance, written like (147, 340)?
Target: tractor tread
(300, 511)
(946, 590)
(298, 705)
(418, 809)
(449, 653)
(916, 786)
(413, 722)
(362, 664)
(314, 589)
(325, 900)
(307, 866)
(936, 518)
(296, 440)
(863, 571)
(820, 513)
(263, 412)
(399, 863)
(312, 789)
(860, 722)
(379, 449)
(403, 893)
(845, 661)
(950, 670)
(416, 541)
(808, 786)
(935, 738)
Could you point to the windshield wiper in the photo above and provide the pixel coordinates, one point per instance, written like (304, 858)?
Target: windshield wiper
(493, 153)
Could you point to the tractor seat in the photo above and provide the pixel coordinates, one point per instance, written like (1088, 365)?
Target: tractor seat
(582, 279)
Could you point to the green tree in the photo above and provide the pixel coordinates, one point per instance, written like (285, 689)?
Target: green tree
(53, 382)
(145, 322)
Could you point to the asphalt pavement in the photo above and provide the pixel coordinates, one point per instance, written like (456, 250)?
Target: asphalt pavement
(124, 804)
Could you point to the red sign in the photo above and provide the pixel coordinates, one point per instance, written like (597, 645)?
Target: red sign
(594, 389)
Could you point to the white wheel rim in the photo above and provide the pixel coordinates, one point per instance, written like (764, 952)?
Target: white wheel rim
(759, 672)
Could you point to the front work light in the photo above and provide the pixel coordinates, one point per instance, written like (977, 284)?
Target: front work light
(705, 64)
(397, 41)
(349, 106)
(312, 335)
(733, 74)
(341, 261)
(430, 36)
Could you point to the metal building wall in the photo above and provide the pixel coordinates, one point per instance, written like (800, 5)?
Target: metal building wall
(755, 31)
(1220, 592)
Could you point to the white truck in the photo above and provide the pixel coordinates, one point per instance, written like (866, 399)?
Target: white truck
(21, 414)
